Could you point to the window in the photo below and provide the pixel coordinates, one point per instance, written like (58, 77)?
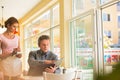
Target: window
(119, 37)
(42, 24)
(56, 15)
(118, 21)
(46, 24)
(82, 46)
(56, 40)
(104, 1)
(79, 6)
(118, 6)
(106, 17)
(107, 33)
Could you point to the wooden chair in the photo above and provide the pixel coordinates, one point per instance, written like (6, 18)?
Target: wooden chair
(1, 76)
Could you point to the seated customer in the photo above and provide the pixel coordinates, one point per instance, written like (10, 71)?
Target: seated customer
(42, 60)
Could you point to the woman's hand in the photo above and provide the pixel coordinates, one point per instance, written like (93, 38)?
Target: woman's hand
(14, 51)
(18, 50)
(19, 55)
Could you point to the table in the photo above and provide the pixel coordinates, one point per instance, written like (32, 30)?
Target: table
(32, 77)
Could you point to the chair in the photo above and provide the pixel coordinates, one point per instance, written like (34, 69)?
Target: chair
(1, 76)
(52, 76)
(77, 75)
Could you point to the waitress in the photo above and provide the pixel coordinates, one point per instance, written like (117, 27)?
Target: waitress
(9, 46)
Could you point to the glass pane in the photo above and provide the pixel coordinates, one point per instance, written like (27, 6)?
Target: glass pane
(111, 36)
(27, 31)
(79, 6)
(82, 45)
(56, 41)
(35, 28)
(42, 24)
(35, 42)
(27, 49)
(104, 1)
(56, 15)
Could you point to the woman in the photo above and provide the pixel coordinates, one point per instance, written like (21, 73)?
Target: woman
(9, 44)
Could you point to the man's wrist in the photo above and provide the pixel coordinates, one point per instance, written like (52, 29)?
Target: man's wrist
(54, 71)
(52, 61)
(42, 61)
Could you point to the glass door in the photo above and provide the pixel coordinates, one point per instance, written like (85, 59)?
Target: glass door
(111, 36)
(82, 44)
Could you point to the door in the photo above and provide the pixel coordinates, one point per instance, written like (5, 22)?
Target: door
(82, 38)
(111, 35)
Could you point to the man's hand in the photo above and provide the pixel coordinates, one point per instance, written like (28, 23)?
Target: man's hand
(49, 61)
(50, 70)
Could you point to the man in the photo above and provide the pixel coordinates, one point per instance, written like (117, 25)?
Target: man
(42, 60)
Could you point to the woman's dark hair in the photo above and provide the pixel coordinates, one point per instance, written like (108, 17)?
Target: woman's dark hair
(43, 37)
(11, 21)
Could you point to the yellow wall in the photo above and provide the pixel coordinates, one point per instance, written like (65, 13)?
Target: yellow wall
(65, 15)
(38, 7)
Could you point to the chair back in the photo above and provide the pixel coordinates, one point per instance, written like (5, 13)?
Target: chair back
(1, 76)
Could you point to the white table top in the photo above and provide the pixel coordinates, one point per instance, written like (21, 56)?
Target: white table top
(32, 77)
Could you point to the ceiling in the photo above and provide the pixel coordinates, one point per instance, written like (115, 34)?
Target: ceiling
(16, 8)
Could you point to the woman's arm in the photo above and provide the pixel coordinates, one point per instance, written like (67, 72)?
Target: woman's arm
(2, 55)
(18, 50)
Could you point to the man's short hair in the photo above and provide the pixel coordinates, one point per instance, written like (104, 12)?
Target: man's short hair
(43, 37)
